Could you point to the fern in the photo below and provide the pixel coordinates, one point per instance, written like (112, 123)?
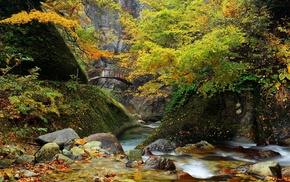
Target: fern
(179, 97)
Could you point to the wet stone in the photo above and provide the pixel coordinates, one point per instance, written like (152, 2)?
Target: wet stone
(157, 162)
(47, 152)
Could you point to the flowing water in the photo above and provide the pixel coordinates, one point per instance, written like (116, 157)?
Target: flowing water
(202, 167)
(206, 167)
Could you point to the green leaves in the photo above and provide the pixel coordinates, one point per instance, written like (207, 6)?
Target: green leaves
(186, 43)
(282, 76)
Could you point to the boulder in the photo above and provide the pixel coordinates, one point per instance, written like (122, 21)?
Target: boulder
(286, 171)
(42, 42)
(9, 154)
(207, 118)
(158, 162)
(10, 151)
(59, 137)
(47, 152)
(109, 142)
(263, 154)
(93, 144)
(25, 159)
(162, 145)
(76, 151)
(150, 109)
(64, 158)
(134, 154)
(268, 168)
(200, 147)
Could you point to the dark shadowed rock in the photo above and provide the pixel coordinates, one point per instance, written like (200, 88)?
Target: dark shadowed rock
(264, 154)
(59, 137)
(108, 140)
(162, 145)
(157, 162)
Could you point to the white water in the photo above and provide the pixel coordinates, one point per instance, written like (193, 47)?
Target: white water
(198, 167)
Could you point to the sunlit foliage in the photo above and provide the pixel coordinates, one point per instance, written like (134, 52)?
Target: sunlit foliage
(216, 45)
(70, 19)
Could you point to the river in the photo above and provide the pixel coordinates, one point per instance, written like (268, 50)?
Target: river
(202, 167)
(205, 167)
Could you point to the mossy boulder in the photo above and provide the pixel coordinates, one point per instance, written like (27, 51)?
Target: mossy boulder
(88, 109)
(222, 117)
(39, 42)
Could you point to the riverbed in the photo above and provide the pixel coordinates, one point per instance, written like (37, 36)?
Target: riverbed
(207, 167)
(200, 166)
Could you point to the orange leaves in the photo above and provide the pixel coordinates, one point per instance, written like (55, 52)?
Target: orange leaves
(91, 51)
(137, 175)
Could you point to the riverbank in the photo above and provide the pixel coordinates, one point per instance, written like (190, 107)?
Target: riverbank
(87, 160)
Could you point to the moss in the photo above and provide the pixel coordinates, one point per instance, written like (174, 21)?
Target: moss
(92, 111)
(37, 41)
(210, 119)
(57, 105)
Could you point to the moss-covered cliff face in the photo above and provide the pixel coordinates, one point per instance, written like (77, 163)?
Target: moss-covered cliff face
(228, 116)
(40, 42)
(94, 111)
(222, 117)
(88, 109)
(30, 104)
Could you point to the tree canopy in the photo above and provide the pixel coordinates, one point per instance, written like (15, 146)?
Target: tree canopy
(212, 45)
(215, 45)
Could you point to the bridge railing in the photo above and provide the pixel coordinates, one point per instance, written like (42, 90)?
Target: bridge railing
(111, 73)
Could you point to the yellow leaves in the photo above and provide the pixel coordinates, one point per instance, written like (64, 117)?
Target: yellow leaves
(278, 85)
(152, 88)
(6, 173)
(137, 175)
(288, 68)
(1, 114)
(43, 17)
(231, 9)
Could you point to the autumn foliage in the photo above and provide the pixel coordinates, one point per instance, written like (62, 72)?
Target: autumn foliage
(79, 40)
(214, 45)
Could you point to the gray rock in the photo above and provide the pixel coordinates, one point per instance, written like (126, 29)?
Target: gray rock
(5, 163)
(162, 145)
(66, 152)
(25, 158)
(150, 109)
(47, 152)
(68, 144)
(65, 158)
(76, 151)
(9, 154)
(91, 144)
(10, 151)
(109, 142)
(28, 174)
(263, 154)
(59, 137)
(157, 162)
(268, 168)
